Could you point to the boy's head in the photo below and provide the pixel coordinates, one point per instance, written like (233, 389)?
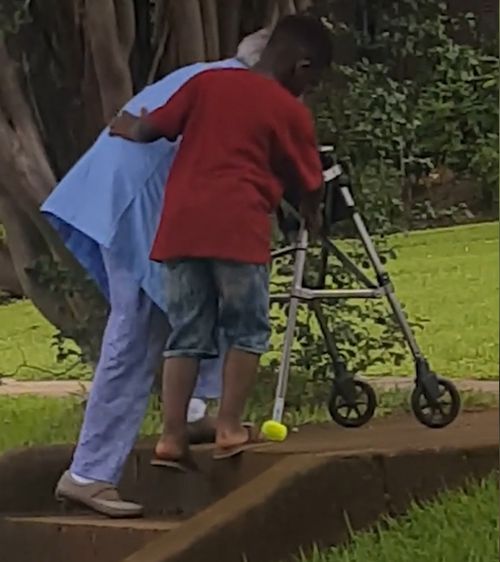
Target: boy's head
(298, 51)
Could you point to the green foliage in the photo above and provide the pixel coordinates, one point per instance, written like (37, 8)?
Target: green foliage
(71, 284)
(419, 98)
(13, 14)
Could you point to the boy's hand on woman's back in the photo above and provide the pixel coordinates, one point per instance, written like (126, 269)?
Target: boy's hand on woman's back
(125, 125)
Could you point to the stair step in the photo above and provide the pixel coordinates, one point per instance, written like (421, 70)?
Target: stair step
(79, 538)
(146, 524)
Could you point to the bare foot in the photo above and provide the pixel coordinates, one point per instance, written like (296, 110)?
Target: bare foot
(227, 437)
(172, 447)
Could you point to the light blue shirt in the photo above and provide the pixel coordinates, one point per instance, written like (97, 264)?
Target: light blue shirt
(113, 196)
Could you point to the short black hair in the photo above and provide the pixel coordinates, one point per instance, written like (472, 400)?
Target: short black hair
(307, 33)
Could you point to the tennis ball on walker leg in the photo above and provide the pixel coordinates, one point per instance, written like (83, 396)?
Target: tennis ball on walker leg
(274, 431)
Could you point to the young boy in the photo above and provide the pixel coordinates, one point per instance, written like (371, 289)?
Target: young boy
(244, 135)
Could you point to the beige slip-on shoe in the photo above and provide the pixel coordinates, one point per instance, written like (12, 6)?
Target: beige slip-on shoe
(98, 496)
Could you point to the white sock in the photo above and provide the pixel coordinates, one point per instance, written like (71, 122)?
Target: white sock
(81, 479)
(196, 410)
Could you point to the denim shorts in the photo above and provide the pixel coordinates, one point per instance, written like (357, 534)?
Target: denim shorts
(207, 296)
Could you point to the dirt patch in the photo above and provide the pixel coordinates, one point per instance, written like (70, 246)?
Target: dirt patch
(391, 435)
(60, 389)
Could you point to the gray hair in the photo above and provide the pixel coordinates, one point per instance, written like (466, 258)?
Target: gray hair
(250, 49)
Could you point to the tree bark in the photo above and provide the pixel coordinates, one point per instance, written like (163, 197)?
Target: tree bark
(302, 5)
(278, 9)
(162, 32)
(170, 59)
(64, 75)
(111, 62)
(25, 142)
(160, 18)
(26, 244)
(211, 29)
(125, 22)
(159, 54)
(189, 30)
(9, 283)
(229, 23)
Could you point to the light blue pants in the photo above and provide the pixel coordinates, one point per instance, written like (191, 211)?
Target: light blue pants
(131, 351)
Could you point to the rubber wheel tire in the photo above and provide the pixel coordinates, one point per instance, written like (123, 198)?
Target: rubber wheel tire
(337, 402)
(433, 417)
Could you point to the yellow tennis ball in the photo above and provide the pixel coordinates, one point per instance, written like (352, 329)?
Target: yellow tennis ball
(274, 431)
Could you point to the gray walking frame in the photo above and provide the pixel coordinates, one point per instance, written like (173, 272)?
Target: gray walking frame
(435, 401)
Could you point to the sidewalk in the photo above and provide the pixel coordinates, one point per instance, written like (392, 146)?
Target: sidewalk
(58, 389)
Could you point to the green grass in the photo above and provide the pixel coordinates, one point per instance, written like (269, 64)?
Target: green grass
(449, 276)
(37, 420)
(457, 527)
(25, 346)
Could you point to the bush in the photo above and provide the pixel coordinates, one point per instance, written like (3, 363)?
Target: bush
(419, 99)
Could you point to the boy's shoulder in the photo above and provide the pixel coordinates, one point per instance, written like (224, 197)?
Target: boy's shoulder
(259, 89)
(248, 78)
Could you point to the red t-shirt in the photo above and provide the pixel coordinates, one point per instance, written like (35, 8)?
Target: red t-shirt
(243, 135)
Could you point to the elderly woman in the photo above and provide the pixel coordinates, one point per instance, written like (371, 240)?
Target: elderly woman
(106, 209)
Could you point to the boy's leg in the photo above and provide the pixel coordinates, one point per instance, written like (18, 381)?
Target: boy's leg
(192, 304)
(244, 317)
(209, 383)
(240, 373)
(201, 425)
(179, 379)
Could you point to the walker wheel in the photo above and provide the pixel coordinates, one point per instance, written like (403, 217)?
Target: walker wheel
(357, 413)
(436, 413)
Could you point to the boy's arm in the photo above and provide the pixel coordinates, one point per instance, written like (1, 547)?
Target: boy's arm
(168, 121)
(310, 209)
(134, 128)
(299, 158)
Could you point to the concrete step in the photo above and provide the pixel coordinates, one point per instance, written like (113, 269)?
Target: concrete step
(28, 478)
(303, 487)
(78, 538)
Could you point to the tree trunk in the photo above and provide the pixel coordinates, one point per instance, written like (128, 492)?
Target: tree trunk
(65, 74)
(229, 21)
(28, 248)
(190, 34)
(211, 29)
(9, 283)
(109, 54)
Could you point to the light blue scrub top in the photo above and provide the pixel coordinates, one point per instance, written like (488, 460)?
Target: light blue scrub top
(113, 196)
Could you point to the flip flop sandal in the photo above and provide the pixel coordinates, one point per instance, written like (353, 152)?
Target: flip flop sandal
(200, 434)
(254, 440)
(183, 464)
